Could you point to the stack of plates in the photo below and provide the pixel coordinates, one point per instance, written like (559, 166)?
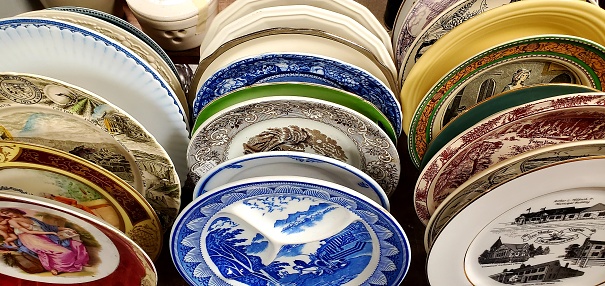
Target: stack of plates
(504, 112)
(293, 150)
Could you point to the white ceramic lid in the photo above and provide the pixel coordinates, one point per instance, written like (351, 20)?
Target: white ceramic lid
(168, 10)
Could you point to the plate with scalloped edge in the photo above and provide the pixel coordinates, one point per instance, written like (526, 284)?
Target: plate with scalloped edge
(288, 230)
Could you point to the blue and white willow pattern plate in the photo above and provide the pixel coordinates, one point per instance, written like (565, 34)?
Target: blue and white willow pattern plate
(288, 67)
(292, 163)
(284, 230)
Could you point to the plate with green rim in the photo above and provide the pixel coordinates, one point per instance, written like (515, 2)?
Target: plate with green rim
(498, 103)
(316, 91)
(522, 62)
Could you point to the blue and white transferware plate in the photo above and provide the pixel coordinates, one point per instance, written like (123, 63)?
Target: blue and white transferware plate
(290, 67)
(290, 163)
(284, 230)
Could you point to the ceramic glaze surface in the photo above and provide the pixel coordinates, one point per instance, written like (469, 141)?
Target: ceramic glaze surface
(303, 68)
(258, 233)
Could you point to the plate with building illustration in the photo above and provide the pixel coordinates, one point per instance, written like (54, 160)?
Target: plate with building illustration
(50, 243)
(502, 172)
(288, 230)
(48, 112)
(566, 118)
(62, 177)
(289, 163)
(292, 123)
(546, 226)
(520, 63)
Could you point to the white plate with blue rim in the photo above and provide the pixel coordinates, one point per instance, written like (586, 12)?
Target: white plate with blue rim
(295, 67)
(288, 230)
(290, 163)
(92, 61)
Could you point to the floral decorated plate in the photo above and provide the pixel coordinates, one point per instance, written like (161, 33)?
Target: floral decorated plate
(288, 163)
(291, 67)
(543, 227)
(572, 117)
(287, 230)
(502, 172)
(288, 40)
(55, 114)
(350, 8)
(63, 177)
(491, 28)
(287, 123)
(65, 246)
(523, 62)
(123, 34)
(92, 61)
(309, 90)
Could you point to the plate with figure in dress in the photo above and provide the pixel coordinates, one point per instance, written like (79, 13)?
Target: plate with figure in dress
(566, 118)
(288, 163)
(553, 217)
(288, 230)
(50, 243)
(55, 114)
(288, 123)
(62, 177)
(292, 67)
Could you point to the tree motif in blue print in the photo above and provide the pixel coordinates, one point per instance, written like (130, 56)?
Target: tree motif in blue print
(335, 261)
(270, 204)
(298, 221)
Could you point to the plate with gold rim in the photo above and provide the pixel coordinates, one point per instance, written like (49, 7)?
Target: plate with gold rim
(554, 219)
(509, 22)
(523, 62)
(52, 113)
(77, 248)
(94, 62)
(287, 123)
(566, 118)
(65, 178)
(158, 62)
(502, 172)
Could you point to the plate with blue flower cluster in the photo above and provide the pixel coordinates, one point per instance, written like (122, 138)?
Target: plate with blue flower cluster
(287, 230)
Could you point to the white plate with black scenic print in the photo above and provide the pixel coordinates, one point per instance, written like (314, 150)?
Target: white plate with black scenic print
(545, 227)
(288, 230)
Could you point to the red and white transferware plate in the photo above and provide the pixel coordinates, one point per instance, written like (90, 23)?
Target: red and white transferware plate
(47, 243)
(546, 227)
(504, 135)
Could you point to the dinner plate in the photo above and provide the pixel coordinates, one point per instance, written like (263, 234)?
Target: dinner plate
(402, 12)
(288, 163)
(52, 113)
(88, 59)
(65, 178)
(352, 9)
(509, 22)
(566, 118)
(544, 227)
(519, 63)
(502, 172)
(288, 40)
(288, 230)
(85, 250)
(292, 67)
(287, 123)
(309, 90)
(303, 17)
(421, 38)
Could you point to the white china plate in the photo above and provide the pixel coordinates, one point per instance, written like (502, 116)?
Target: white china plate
(288, 230)
(85, 58)
(552, 216)
(288, 123)
(288, 163)
(571, 117)
(502, 172)
(349, 8)
(303, 17)
(55, 114)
